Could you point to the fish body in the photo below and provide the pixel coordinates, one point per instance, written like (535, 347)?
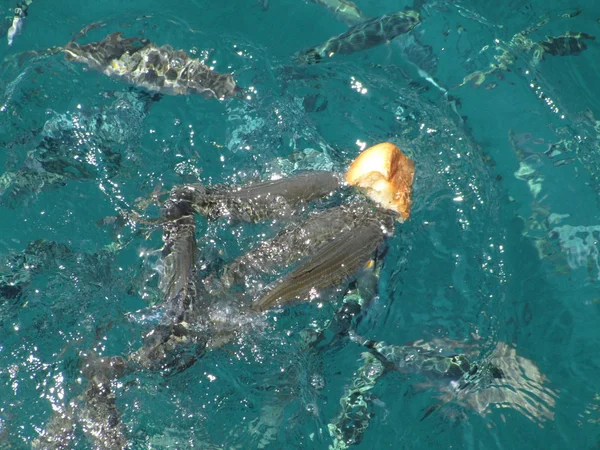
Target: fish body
(201, 315)
(20, 12)
(183, 333)
(416, 359)
(264, 4)
(294, 243)
(344, 11)
(567, 44)
(428, 361)
(37, 257)
(15, 28)
(159, 69)
(418, 54)
(348, 427)
(363, 36)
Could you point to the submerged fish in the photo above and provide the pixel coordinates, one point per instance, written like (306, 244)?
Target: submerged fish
(349, 426)
(20, 12)
(63, 152)
(521, 47)
(567, 44)
(363, 36)
(264, 4)
(144, 64)
(416, 53)
(257, 201)
(343, 10)
(502, 379)
(23, 267)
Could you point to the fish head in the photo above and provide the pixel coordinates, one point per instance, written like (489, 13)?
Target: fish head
(479, 375)
(458, 366)
(409, 19)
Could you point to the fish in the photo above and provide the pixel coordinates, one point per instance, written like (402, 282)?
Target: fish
(155, 68)
(344, 11)
(292, 244)
(363, 36)
(182, 335)
(567, 44)
(264, 4)
(24, 266)
(20, 13)
(62, 152)
(416, 53)
(350, 424)
(385, 175)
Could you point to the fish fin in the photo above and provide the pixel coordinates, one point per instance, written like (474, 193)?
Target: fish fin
(329, 266)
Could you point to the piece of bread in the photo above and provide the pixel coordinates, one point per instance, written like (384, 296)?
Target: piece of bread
(386, 175)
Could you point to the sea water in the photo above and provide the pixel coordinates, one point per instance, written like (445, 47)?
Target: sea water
(499, 260)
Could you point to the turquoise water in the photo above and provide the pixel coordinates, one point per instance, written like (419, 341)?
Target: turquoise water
(500, 258)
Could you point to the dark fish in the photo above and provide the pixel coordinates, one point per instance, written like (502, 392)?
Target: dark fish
(363, 36)
(187, 329)
(40, 255)
(179, 280)
(175, 343)
(161, 69)
(410, 359)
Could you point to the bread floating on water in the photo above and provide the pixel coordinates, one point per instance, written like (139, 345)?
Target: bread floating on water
(385, 175)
